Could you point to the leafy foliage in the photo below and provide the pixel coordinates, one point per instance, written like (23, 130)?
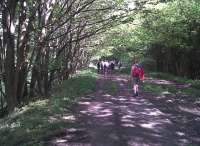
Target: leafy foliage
(167, 33)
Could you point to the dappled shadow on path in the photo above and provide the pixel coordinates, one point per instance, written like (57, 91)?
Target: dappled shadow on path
(102, 119)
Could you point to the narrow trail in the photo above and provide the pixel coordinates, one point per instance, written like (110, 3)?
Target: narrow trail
(118, 119)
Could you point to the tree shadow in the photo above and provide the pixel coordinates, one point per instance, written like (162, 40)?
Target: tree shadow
(121, 120)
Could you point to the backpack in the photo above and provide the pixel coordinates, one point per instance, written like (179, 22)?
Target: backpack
(136, 71)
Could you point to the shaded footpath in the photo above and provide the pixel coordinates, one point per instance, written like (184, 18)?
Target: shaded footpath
(118, 119)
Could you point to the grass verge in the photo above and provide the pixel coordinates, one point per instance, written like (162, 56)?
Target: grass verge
(33, 123)
(193, 90)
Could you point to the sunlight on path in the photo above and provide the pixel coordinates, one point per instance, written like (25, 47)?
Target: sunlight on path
(103, 119)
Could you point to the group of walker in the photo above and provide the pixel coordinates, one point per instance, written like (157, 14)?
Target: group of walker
(105, 66)
(136, 74)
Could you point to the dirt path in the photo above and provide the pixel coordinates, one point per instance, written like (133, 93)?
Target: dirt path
(118, 119)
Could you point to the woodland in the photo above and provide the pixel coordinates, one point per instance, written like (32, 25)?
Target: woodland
(44, 43)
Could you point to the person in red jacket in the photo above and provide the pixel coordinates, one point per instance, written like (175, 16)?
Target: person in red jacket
(137, 75)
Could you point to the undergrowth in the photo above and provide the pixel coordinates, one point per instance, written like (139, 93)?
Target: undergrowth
(33, 123)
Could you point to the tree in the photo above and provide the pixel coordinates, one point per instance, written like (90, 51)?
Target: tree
(44, 40)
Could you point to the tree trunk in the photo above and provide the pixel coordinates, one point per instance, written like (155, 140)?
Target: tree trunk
(8, 16)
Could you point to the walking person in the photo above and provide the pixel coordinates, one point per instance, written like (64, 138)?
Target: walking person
(137, 75)
(119, 64)
(106, 67)
(101, 67)
(98, 66)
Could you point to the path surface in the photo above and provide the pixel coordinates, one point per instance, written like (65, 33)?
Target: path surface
(103, 119)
